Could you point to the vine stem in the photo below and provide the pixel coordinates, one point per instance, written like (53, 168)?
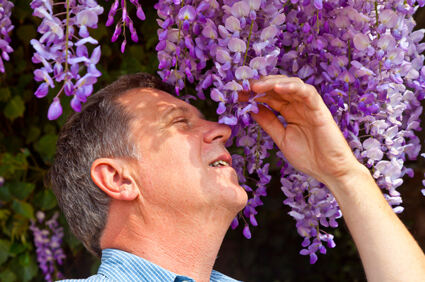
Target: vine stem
(317, 22)
(248, 42)
(178, 38)
(376, 13)
(124, 6)
(60, 91)
(377, 20)
(257, 154)
(349, 85)
(66, 38)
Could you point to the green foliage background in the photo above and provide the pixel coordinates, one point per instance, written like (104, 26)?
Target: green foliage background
(27, 146)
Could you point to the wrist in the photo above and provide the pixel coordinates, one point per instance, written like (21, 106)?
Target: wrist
(346, 182)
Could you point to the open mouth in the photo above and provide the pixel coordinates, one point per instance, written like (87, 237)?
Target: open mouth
(219, 163)
(224, 160)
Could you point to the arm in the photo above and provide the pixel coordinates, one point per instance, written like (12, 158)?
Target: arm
(387, 249)
(313, 144)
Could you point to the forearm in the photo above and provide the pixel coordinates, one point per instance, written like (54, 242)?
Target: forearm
(387, 250)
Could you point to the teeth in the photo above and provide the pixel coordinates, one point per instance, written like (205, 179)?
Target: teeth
(219, 163)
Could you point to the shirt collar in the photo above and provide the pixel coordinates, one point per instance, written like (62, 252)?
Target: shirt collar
(123, 266)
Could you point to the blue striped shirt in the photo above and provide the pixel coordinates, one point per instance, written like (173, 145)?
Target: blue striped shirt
(117, 265)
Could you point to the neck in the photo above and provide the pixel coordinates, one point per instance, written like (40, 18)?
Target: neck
(180, 243)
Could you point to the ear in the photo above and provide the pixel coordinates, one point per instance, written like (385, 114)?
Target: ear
(112, 177)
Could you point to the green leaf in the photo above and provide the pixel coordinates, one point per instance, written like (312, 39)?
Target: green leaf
(24, 266)
(12, 143)
(4, 94)
(10, 163)
(23, 208)
(20, 190)
(5, 193)
(49, 129)
(20, 226)
(4, 251)
(46, 146)
(30, 272)
(7, 275)
(4, 215)
(32, 134)
(15, 108)
(45, 200)
(17, 248)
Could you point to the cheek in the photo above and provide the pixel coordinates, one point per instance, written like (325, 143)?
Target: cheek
(173, 180)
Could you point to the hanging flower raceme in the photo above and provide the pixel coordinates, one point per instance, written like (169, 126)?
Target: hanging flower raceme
(48, 240)
(62, 52)
(125, 21)
(5, 28)
(365, 61)
(363, 58)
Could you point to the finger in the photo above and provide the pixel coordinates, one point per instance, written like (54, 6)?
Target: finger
(304, 93)
(271, 124)
(291, 89)
(244, 96)
(267, 77)
(271, 76)
(271, 99)
(266, 84)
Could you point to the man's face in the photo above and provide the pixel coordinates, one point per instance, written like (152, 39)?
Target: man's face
(183, 159)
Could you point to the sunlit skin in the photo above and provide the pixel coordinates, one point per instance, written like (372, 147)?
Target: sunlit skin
(176, 146)
(172, 208)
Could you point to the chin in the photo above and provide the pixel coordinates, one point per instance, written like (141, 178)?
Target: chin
(239, 199)
(244, 200)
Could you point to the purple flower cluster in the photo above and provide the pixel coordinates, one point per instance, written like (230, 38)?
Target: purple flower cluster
(47, 241)
(5, 28)
(62, 51)
(365, 61)
(312, 206)
(124, 21)
(363, 58)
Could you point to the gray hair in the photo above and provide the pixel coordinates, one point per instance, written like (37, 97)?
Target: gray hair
(100, 130)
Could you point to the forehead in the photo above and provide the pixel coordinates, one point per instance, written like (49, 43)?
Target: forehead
(150, 104)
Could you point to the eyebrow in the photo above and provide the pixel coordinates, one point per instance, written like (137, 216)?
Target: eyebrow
(183, 109)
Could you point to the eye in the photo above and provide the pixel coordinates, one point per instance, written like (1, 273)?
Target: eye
(181, 120)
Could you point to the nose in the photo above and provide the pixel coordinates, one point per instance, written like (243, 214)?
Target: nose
(217, 132)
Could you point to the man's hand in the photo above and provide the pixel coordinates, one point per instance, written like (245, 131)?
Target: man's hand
(311, 141)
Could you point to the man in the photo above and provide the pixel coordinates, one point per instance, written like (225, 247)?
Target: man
(134, 176)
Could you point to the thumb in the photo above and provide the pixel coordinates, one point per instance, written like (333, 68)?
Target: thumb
(271, 124)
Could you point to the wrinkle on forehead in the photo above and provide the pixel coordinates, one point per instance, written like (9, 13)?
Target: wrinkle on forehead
(147, 103)
(146, 106)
